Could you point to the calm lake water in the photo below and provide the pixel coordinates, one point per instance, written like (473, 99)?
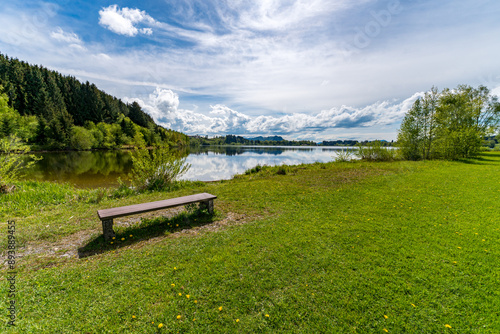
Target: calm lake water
(103, 168)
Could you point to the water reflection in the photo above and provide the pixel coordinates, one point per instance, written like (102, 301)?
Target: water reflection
(224, 162)
(84, 169)
(102, 168)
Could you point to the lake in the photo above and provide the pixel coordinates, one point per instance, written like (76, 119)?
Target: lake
(91, 169)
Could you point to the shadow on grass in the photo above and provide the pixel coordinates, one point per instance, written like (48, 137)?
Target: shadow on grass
(481, 160)
(146, 229)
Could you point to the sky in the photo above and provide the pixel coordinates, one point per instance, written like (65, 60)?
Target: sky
(302, 69)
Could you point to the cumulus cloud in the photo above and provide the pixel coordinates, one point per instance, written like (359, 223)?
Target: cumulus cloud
(123, 21)
(163, 106)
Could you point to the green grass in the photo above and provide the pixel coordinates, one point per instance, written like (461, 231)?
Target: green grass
(356, 247)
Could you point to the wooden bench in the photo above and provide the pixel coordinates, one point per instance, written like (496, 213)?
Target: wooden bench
(107, 215)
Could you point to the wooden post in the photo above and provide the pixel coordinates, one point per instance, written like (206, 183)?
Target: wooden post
(209, 205)
(107, 229)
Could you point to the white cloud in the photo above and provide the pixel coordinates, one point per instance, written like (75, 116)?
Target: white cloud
(77, 47)
(284, 63)
(102, 56)
(163, 106)
(273, 15)
(146, 31)
(123, 21)
(62, 36)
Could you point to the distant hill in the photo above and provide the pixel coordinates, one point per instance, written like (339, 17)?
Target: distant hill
(271, 138)
(238, 140)
(67, 114)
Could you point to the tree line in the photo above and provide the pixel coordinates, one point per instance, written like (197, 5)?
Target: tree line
(238, 140)
(349, 142)
(50, 111)
(451, 124)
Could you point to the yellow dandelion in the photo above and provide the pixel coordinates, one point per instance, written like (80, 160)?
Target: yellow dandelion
(385, 330)
(237, 320)
(187, 296)
(220, 308)
(180, 294)
(172, 284)
(133, 317)
(447, 326)
(123, 239)
(179, 317)
(111, 242)
(195, 301)
(175, 268)
(459, 247)
(267, 315)
(114, 238)
(413, 305)
(385, 316)
(131, 235)
(160, 325)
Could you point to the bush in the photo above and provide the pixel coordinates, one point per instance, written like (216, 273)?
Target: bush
(156, 169)
(374, 151)
(344, 155)
(81, 138)
(12, 161)
(282, 170)
(254, 170)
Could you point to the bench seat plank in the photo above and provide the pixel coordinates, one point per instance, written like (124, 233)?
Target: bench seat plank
(107, 214)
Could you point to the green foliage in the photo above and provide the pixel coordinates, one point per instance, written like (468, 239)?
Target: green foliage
(52, 104)
(376, 151)
(81, 138)
(417, 132)
(344, 155)
(123, 190)
(12, 123)
(450, 124)
(282, 170)
(12, 160)
(254, 170)
(156, 169)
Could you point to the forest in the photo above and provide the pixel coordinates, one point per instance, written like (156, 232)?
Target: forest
(50, 111)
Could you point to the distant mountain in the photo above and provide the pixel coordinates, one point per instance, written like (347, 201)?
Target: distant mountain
(271, 138)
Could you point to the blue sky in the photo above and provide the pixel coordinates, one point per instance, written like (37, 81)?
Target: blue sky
(315, 69)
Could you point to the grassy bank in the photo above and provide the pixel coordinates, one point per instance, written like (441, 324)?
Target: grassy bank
(326, 248)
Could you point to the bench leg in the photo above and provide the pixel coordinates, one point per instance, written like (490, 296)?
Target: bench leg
(209, 205)
(107, 229)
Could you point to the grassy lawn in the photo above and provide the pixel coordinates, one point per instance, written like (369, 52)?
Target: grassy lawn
(402, 247)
